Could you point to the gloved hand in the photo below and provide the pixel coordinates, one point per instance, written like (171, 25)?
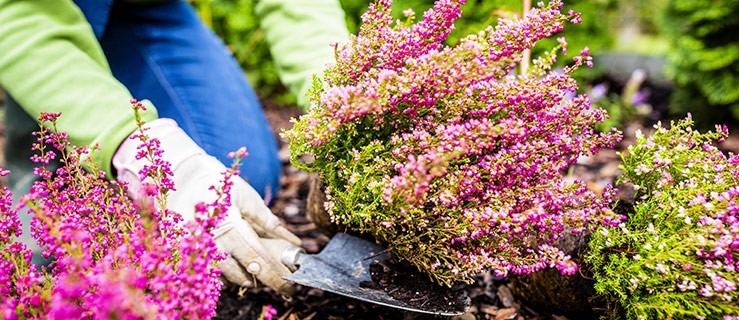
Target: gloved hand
(252, 236)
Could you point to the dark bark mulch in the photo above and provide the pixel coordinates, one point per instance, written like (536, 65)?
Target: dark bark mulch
(405, 283)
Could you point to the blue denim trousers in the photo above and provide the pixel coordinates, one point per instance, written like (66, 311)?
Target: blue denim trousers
(161, 51)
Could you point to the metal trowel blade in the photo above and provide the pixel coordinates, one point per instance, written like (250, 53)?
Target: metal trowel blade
(340, 268)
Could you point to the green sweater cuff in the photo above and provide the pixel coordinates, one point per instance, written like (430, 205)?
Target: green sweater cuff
(50, 61)
(300, 34)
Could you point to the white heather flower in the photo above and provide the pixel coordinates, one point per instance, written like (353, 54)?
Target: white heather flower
(662, 268)
(639, 135)
(681, 212)
(353, 178)
(640, 169)
(650, 228)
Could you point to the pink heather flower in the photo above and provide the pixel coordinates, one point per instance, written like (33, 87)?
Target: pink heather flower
(566, 267)
(562, 42)
(49, 116)
(699, 199)
(585, 52)
(110, 260)
(242, 153)
(268, 312)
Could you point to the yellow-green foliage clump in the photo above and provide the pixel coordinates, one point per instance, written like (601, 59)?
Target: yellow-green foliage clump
(677, 254)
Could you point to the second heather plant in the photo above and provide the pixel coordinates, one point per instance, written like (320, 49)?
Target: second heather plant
(445, 155)
(677, 255)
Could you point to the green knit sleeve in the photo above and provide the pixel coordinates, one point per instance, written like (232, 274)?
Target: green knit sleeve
(300, 34)
(50, 61)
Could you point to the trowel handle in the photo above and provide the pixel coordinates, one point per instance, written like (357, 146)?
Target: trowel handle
(288, 253)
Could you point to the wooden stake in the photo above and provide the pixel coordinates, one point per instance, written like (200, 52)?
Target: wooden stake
(526, 53)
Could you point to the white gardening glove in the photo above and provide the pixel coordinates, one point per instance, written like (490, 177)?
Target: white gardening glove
(252, 236)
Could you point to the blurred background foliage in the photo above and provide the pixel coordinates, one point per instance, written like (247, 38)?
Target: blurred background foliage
(688, 48)
(704, 58)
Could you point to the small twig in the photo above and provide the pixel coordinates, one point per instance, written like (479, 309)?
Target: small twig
(377, 254)
(287, 314)
(425, 296)
(579, 270)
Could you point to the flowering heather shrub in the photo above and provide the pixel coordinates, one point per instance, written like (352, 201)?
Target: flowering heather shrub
(444, 155)
(112, 258)
(677, 254)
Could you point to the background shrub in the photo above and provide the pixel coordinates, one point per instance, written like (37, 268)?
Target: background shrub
(238, 25)
(704, 59)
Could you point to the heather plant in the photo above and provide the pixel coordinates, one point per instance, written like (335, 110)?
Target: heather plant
(111, 257)
(677, 254)
(443, 153)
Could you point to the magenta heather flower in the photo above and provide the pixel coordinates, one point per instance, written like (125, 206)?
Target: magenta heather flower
(112, 258)
(445, 154)
(268, 312)
(21, 283)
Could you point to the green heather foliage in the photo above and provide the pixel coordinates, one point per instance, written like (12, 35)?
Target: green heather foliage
(704, 59)
(676, 256)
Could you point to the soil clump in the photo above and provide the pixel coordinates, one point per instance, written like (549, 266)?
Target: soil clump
(403, 282)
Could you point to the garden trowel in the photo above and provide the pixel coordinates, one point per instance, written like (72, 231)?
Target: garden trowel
(342, 265)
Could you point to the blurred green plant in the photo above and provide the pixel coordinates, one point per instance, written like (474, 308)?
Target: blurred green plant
(630, 105)
(704, 60)
(238, 25)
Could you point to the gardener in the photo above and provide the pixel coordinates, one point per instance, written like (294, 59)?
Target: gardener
(88, 58)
